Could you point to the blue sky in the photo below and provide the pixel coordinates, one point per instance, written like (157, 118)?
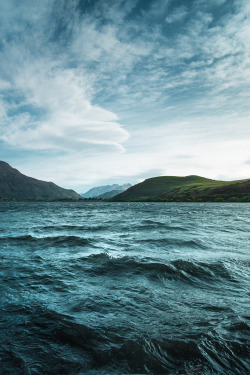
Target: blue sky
(98, 92)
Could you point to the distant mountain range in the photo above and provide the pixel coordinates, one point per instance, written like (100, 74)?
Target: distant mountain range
(190, 188)
(105, 192)
(16, 186)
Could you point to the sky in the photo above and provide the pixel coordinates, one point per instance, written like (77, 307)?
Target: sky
(116, 91)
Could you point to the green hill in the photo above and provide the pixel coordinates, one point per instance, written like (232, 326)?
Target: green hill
(189, 188)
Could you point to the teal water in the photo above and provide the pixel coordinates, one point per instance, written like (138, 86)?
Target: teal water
(124, 288)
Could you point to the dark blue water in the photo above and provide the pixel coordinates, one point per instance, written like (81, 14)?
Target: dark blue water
(124, 288)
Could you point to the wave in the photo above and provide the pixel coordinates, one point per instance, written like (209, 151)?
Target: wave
(46, 339)
(178, 270)
(40, 333)
(153, 224)
(174, 242)
(47, 241)
(94, 228)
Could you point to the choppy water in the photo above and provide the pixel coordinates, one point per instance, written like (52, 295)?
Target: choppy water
(124, 288)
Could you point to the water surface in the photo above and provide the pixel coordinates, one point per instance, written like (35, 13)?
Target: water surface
(124, 288)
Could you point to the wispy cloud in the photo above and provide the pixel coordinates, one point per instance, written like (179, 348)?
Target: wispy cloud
(88, 80)
(66, 118)
(48, 104)
(177, 15)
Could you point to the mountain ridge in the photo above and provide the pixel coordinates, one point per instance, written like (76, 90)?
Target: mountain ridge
(98, 191)
(16, 186)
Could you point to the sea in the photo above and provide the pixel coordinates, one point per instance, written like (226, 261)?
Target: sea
(124, 288)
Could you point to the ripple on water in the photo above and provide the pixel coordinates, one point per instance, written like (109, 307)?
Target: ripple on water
(111, 288)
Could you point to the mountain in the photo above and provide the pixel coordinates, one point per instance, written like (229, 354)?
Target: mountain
(109, 194)
(189, 188)
(99, 190)
(14, 185)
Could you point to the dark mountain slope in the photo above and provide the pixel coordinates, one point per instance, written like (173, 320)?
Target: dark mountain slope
(14, 185)
(109, 194)
(189, 188)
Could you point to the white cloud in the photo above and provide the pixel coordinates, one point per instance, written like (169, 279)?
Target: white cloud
(70, 121)
(49, 104)
(4, 85)
(177, 15)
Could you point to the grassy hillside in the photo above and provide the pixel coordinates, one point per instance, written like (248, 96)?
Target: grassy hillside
(190, 188)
